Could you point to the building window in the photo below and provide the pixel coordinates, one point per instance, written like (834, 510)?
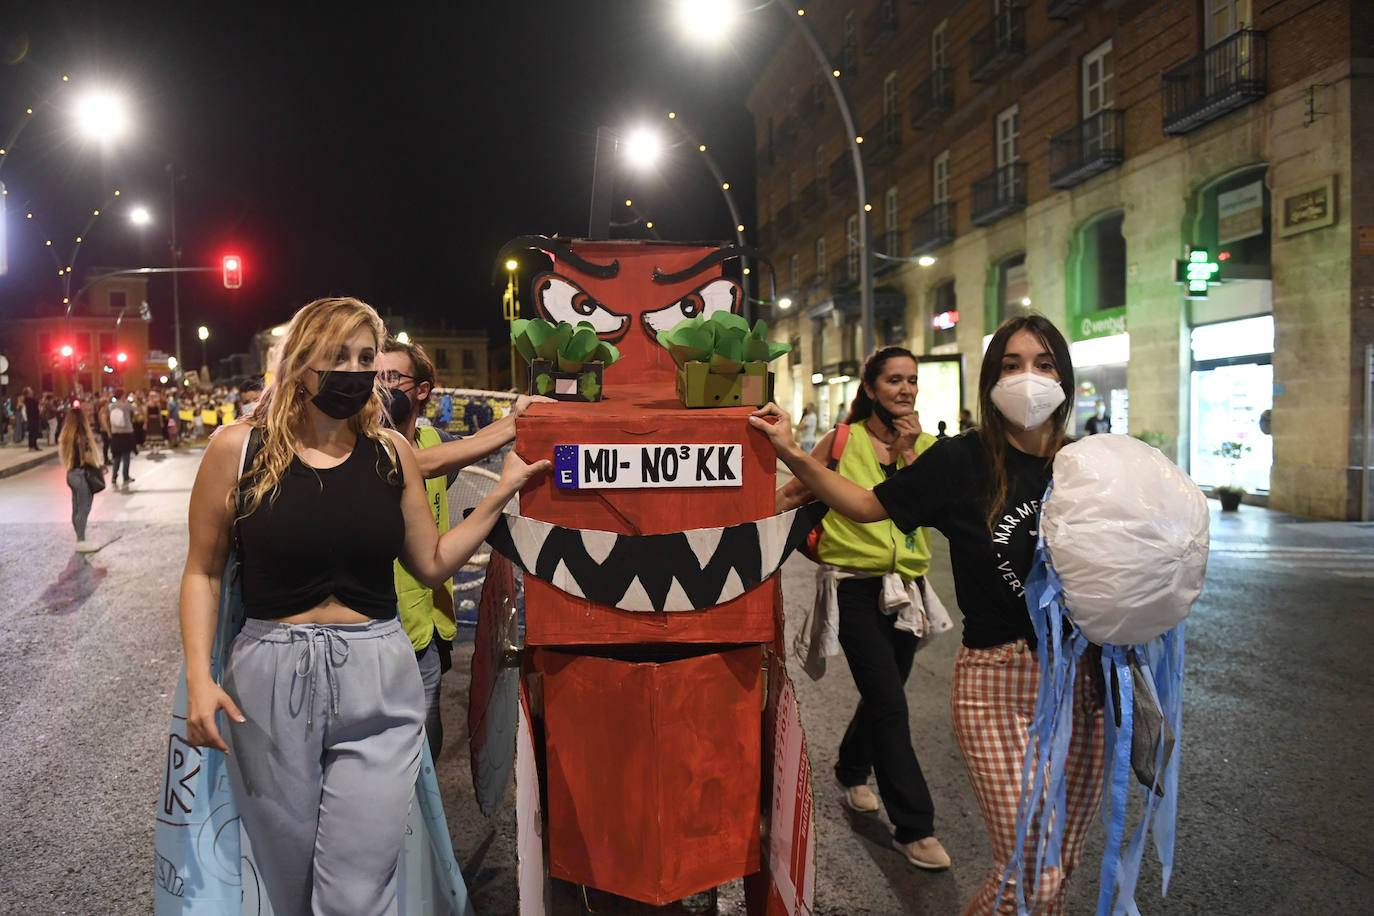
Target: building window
(890, 210)
(1013, 287)
(944, 315)
(107, 345)
(820, 256)
(1008, 136)
(1097, 79)
(1225, 17)
(440, 358)
(118, 300)
(1096, 272)
(794, 356)
(795, 264)
(1234, 222)
(939, 178)
(938, 53)
(889, 97)
(469, 361)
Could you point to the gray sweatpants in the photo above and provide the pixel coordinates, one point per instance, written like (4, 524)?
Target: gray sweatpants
(324, 766)
(82, 497)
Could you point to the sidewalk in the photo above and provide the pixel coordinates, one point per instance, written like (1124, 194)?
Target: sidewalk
(15, 458)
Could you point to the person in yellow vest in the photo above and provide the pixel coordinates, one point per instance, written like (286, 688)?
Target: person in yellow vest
(872, 603)
(407, 374)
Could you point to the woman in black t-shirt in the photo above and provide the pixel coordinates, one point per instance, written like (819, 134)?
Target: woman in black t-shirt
(982, 490)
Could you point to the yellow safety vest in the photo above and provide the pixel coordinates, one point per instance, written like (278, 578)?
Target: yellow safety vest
(873, 547)
(418, 603)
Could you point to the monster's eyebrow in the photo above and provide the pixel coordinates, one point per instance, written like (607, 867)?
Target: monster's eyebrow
(712, 259)
(560, 251)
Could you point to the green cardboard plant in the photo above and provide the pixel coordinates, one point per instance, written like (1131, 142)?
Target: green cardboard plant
(724, 341)
(568, 349)
(566, 345)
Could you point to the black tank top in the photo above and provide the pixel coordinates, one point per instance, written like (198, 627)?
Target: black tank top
(332, 531)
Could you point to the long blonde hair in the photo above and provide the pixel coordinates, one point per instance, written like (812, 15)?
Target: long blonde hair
(68, 448)
(317, 330)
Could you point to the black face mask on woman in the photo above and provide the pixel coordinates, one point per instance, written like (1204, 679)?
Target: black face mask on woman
(885, 416)
(343, 394)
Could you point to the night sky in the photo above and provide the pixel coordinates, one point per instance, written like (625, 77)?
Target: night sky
(385, 154)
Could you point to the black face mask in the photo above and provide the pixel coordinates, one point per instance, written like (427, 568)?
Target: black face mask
(399, 407)
(885, 416)
(343, 394)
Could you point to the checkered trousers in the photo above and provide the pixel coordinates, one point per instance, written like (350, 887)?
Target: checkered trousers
(993, 704)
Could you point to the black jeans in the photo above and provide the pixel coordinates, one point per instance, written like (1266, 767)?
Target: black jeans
(879, 735)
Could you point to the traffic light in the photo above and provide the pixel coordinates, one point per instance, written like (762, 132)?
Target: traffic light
(121, 357)
(233, 271)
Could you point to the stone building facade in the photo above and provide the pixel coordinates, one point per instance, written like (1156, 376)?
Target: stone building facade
(1064, 156)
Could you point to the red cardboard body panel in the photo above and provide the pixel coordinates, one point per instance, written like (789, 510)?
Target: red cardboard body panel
(654, 771)
(640, 414)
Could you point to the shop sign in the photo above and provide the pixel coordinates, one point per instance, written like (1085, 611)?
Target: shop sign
(1311, 207)
(1240, 213)
(637, 466)
(1102, 324)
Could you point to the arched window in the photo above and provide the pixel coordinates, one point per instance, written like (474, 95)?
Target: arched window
(1096, 269)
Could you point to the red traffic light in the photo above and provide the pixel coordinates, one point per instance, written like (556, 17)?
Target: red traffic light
(121, 357)
(66, 350)
(233, 271)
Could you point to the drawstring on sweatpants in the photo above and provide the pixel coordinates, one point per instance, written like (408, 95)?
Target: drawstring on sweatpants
(333, 652)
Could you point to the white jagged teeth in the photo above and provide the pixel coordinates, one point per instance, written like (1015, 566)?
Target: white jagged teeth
(772, 540)
(704, 542)
(529, 535)
(598, 544)
(733, 587)
(564, 580)
(635, 598)
(677, 598)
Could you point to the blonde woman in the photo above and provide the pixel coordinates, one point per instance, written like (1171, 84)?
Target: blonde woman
(322, 693)
(77, 448)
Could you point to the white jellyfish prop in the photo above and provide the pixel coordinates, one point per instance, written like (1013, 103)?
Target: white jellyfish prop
(1120, 560)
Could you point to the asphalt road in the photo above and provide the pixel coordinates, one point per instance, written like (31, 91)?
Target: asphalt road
(1274, 798)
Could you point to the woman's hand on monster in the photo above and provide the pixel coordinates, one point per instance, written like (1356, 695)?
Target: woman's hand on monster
(516, 471)
(776, 424)
(523, 402)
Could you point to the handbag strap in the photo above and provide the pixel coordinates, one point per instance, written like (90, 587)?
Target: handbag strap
(837, 444)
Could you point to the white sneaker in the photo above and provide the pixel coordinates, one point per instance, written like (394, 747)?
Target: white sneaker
(87, 547)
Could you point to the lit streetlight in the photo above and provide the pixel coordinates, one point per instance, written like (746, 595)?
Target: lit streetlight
(403, 337)
(101, 115)
(510, 310)
(204, 334)
(140, 216)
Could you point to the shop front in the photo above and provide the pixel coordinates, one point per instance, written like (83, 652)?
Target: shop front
(1232, 390)
(1100, 350)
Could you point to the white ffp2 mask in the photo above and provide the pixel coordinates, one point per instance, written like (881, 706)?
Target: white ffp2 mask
(1027, 399)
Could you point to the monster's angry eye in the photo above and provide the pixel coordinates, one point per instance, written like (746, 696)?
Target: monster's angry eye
(560, 299)
(719, 295)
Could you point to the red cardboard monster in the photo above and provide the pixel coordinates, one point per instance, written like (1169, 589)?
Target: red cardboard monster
(655, 715)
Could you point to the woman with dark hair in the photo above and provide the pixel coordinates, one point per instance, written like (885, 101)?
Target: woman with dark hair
(872, 603)
(982, 490)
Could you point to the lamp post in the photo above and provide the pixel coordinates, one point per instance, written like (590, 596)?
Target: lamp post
(700, 13)
(510, 310)
(204, 334)
(176, 263)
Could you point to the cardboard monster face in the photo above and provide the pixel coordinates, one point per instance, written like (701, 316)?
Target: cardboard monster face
(629, 291)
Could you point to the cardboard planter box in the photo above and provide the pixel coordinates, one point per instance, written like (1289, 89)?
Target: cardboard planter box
(697, 386)
(585, 384)
(653, 820)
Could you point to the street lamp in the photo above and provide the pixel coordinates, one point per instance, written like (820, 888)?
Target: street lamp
(204, 334)
(701, 10)
(510, 310)
(101, 115)
(139, 216)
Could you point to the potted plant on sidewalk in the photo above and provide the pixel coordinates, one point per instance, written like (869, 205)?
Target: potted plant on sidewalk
(1231, 453)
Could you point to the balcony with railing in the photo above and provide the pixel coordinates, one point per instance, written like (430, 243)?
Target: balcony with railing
(811, 104)
(844, 272)
(933, 98)
(1090, 147)
(817, 282)
(841, 173)
(812, 198)
(785, 135)
(786, 219)
(887, 252)
(932, 229)
(1227, 76)
(884, 141)
(880, 27)
(999, 193)
(998, 43)
(1063, 9)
